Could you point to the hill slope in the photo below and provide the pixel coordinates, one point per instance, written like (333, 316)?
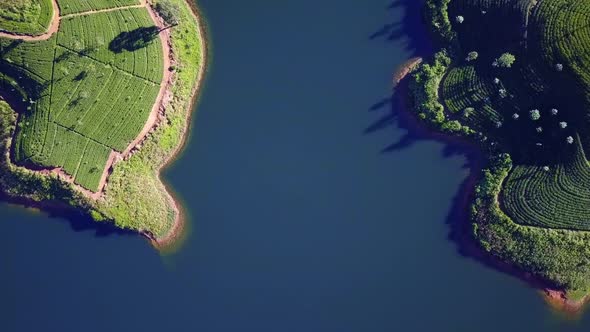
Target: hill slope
(515, 77)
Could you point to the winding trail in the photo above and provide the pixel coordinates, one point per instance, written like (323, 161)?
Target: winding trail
(106, 10)
(57, 17)
(159, 103)
(53, 27)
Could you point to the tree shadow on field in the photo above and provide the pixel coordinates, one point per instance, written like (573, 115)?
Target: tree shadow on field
(393, 113)
(134, 40)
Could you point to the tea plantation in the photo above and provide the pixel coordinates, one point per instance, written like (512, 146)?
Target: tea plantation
(25, 16)
(86, 91)
(514, 76)
(69, 7)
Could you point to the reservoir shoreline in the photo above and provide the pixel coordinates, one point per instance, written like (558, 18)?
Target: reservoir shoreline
(467, 246)
(176, 232)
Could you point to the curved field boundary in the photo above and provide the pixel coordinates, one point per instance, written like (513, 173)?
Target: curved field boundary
(153, 118)
(106, 10)
(173, 238)
(53, 27)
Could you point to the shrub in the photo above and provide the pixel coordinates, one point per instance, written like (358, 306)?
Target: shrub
(471, 56)
(506, 60)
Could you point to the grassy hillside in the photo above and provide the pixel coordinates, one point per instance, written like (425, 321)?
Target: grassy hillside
(89, 90)
(517, 75)
(25, 16)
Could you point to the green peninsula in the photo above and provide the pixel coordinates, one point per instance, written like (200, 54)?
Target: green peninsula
(513, 76)
(95, 100)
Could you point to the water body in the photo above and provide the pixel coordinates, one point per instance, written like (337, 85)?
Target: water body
(302, 218)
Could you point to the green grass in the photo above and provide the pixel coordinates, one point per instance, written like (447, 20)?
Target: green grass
(555, 198)
(69, 7)
(25, 16)
(88, 90)
(81, 100)
(136, 198)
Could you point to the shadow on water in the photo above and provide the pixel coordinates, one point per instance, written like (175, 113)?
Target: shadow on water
(410, 24)
(78, 221)
(394, 113)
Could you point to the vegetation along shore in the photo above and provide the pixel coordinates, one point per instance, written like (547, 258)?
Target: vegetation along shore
(90, 116)
(520, 90)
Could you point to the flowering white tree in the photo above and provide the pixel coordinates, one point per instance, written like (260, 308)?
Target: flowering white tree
(459, 19)
(563, 124)
(569, 140)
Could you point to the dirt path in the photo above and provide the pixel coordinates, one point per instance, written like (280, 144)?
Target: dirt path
(57, 17)
(106, 10)
(159, 103)
(175, 236)
(164, 85)
(53, 27)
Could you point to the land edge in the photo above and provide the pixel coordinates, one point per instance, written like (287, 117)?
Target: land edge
(177, 232)
(555, 298)
(156, 113)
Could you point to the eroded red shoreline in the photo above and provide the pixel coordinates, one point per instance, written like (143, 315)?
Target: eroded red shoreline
(176, 235)
(557, 299)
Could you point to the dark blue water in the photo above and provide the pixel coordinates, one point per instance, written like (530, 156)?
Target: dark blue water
(299, 220)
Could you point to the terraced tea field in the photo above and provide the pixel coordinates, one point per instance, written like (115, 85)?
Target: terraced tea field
(26, 16)
(69, 7)
(513, 76)
(86, 91)
(536, 110)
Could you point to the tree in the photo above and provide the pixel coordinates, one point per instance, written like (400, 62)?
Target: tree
(168, 11)
(563, 125)
(569, 140)
(459, 19)
(473, 55)
(554, 111)
(467, 112)
(515, 116)
(505, 60)
(535, 115)
(559, 67)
